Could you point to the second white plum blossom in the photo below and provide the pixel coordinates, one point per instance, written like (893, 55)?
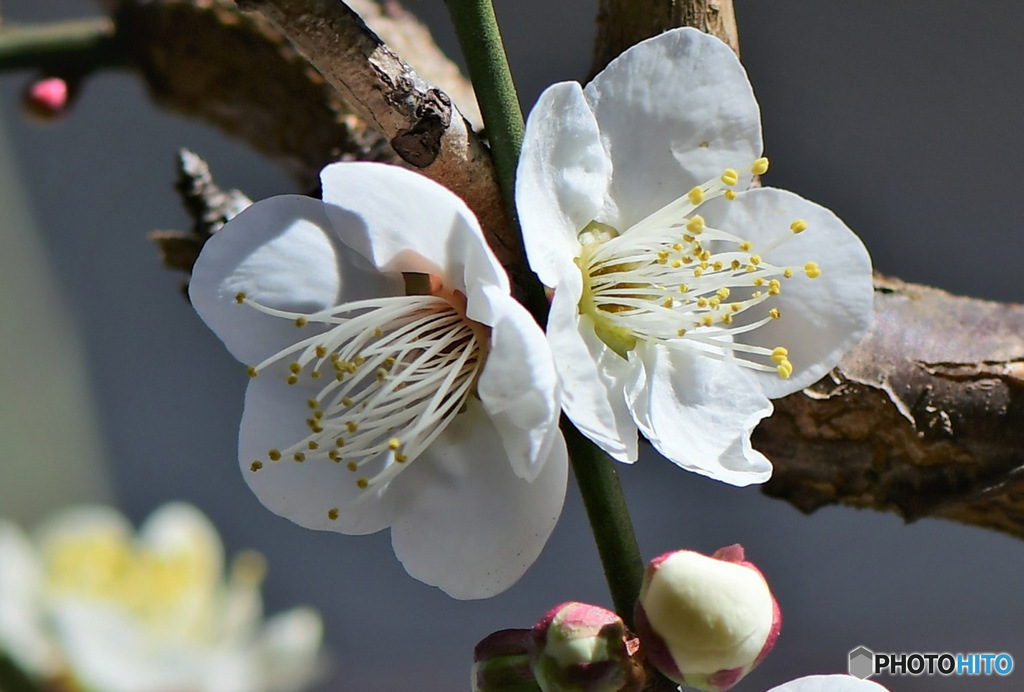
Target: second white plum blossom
(682, 301)
(395, 381)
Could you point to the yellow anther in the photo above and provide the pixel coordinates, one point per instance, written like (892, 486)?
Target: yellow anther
(798, 226)
(678, 247)
(759, 281)
(662, 254)
(730, 177)
(352, 426)
(358, 360)
(717, 266)
(295, 368)
(315, 375)
(668, 302)
(363, 483)
(735, 307)
(774, 287)
(707, 321)
(292, 379)
(812, 270)
(251, 371)
(274, 455)
(334, 456)
(779, 354)
(680, 332)
(377, 332)
(676, 264)
(299, 457)
(727, 318)
(723, 293)
(340, 441)
(774, 313)
(696, 195)
(389, 362)
(313, 445)
(352, 466)
(787, 273)
(755, 260)
(313, 403)
(320, 351)
(759, 167)
(745, 246)
(301, 321)
(256, 466)
(735, 264)
(729, 195)
(715, 302)
(332, 514)
(683, 288)
(756, 294)
(346, 401)
(686, 259)
(751, 268)
(400, 458)
(394, 444)
(785, 369)
(240, 297)
(687, 238)
(381, 374)
(698, 271)
(702, 302)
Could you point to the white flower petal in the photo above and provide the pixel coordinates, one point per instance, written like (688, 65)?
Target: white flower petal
(674, 111)
(829, 683)
(23, 636)
(592, 376)
(561, 181)
(302, 492)
(470, 526)
(282, 253)
(822, 318)
(699, 412)
(412, 224)
(289, 647)
(519, 387)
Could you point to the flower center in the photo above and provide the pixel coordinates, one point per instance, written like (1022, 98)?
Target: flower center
(387, 374)
(672, 279)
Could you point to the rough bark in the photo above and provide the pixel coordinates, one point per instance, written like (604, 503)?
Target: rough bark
(423, 126)
(924, 418)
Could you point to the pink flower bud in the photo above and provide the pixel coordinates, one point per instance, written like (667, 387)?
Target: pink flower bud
(501, 663)
(584, 648)
(705, 622)
(47, 99)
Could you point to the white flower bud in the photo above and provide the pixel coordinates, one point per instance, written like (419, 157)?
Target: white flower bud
(705, 622)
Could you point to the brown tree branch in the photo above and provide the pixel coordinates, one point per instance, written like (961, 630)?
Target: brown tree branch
(924, 418)
(623, 23)
(419, 120)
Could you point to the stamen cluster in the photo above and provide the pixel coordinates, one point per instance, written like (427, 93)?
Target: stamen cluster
(389, 375)
(671, 279)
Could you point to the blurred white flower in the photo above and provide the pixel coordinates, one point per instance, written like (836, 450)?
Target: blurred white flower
(682, 301)
(396, 382)
(91, 603)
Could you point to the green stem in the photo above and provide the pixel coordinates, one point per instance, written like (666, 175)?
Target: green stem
(74, 46)
(609, 520)
(477, 29)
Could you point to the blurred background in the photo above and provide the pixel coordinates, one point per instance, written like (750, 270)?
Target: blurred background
(903, 117)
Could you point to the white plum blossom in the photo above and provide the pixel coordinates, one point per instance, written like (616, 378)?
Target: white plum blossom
(90, 605)
(395, 381)
(682, 300)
